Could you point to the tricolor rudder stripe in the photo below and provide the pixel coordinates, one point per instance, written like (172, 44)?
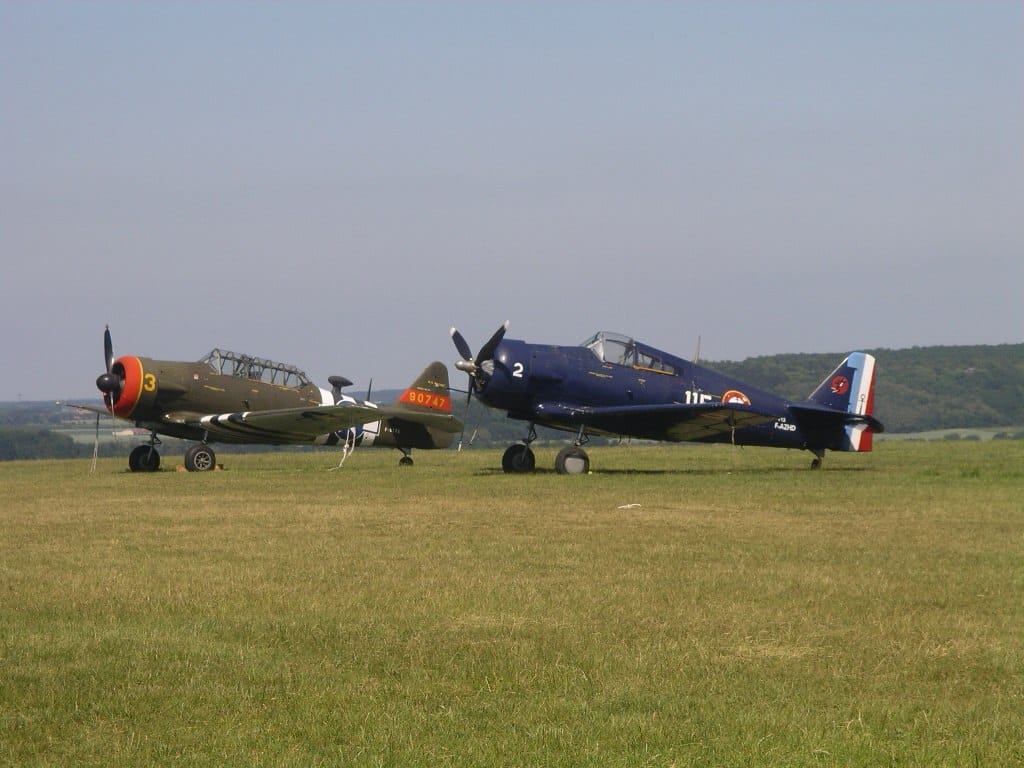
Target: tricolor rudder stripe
(862, 401)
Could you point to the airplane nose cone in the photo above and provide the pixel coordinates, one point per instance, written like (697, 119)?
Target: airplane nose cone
(107, 383)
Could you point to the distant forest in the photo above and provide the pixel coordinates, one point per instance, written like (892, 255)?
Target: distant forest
(917, 389)
(920, 389)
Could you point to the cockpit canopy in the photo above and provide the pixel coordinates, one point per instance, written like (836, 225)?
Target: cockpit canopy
(618, 349)
(611, 347)
(229, 363)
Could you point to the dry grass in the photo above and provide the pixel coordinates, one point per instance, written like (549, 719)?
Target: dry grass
(746, 612)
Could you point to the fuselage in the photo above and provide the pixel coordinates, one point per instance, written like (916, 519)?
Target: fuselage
(551, 385)
(157, 393)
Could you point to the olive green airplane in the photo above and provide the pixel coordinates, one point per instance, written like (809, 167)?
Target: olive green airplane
(233, 398)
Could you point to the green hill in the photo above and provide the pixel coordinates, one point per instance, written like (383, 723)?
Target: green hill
(917, 389)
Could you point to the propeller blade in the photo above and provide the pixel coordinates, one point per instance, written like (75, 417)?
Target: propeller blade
(108, 349)
(108, 382)
(487, 350)
(460, 344)
(466, 364)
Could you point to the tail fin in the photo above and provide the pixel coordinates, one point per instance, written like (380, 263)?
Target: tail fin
(429, 392)
(850, 389)
(428, 406)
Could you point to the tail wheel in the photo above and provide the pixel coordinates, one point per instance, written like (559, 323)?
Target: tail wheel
(518, 458)
(200, 458)
(572, 460)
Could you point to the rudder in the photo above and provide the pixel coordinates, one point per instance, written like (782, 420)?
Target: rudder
(850, 388)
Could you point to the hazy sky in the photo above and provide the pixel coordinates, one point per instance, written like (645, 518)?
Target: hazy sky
(335, 184)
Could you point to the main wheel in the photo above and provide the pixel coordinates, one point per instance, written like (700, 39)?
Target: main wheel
(144, 458)
(200, 458)
(518, 458)
(405, 461)
(572, 460)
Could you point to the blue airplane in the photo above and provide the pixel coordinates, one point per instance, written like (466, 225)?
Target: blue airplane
(614, 385)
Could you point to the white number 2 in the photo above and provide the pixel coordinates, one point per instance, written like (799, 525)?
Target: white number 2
(517, 370)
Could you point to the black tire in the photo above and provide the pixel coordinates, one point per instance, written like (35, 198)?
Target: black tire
(405, 461)
(200, 458)
(572, 460)
(144, 458)
(518, 458)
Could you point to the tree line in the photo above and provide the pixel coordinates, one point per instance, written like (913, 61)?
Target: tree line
(917, 390)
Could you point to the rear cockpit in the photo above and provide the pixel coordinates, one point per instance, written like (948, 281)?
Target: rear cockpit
(618, 349)
(228, 363)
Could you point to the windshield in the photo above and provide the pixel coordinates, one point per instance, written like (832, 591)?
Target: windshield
(611, 347)
(622, 350)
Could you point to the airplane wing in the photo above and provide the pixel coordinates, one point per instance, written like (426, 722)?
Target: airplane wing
(97, 409)
(673, 421)
(301, 425)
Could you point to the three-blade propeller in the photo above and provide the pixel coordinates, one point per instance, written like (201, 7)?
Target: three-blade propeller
(478, 369)
(109, 383)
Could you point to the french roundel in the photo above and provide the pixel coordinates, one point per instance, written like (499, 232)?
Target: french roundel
(735, 397)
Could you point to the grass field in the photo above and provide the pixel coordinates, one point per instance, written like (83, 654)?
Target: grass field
(678, 606)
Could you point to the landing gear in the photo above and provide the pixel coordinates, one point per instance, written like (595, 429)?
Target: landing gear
(200, 458)
(518, 458)
(144, 458)
(572, 460)
(405, 461)
(819, 455)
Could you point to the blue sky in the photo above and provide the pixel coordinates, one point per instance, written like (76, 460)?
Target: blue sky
(335, 184)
